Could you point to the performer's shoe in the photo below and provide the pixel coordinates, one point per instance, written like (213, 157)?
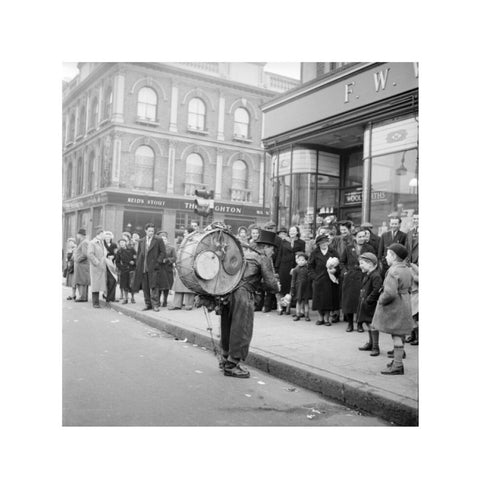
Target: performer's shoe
(235, 371)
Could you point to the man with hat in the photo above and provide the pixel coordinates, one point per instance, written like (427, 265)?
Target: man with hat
(369, 293)
(393, 314)
(236, 322)
(81, 270)
(98, 268)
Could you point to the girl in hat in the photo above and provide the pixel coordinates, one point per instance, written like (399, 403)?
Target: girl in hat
(324, 288)
(394, 314)
(369, 293)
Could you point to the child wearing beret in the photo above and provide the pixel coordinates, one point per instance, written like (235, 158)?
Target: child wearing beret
(394, 314)
(369, 293)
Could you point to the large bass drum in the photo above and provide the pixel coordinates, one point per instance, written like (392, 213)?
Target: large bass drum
(210, 262)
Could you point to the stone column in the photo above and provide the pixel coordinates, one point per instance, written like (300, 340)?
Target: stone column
(100, 105)
(171, 167)
(116, 160)
(118, 97)
(75, 129)
(218, 174)
(221, 118)
(261, 196)
(367, 173)
(173, 109)
(87, 113)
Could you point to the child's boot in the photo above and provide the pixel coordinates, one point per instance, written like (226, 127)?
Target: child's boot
(367, 346)
(375, 348)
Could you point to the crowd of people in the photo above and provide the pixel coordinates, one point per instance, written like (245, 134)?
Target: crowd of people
(345, 272)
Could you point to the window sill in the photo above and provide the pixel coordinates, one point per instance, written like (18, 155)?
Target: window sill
(104, 121)
(197, 131)
(79, 137)
(242, 139)
(153, 123)
(91, 130)
(68, 143)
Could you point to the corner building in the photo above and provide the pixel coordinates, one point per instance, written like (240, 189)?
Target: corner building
(139, 138)
(345, 143)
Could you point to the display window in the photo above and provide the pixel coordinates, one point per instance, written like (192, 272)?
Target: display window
(135, 221)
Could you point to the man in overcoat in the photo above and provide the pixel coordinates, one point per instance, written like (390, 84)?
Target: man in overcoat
(98, 268)
(150, 275)
(81, 270)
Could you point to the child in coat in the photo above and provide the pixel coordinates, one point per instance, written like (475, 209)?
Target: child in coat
(369, 293)
(124, 260)
(301, 287)
(394, 313)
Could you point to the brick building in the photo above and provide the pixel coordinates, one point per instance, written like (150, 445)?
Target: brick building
(138, 138)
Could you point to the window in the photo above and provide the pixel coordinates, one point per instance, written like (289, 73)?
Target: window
(79, 189)
(241, 123)
(68, 189)
(93, 113)
(83, 121)
(144, 163)
(147, 104)
(71, 128)
(193, 173)
(239, 175)
(91, 172)
(108, 104)
(196, 114)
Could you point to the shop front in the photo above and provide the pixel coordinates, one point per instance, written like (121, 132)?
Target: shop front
(346, 146)
(119, 211)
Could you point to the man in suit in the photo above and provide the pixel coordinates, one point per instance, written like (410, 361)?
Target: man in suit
(393, 236)
(412, 241)
(150, 274)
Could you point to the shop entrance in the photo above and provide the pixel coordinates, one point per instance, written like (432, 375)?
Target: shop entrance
(135, 221)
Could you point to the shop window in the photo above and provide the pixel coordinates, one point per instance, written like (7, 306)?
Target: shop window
(241, 126)
(193, 173)
(147, 104)
(354, 169)
(196, 114)
(108, 104)
(69, 227)
(394, 188)
(91, 172)
(97, 216)
(83, 219)
(144, 165)
(93, 113)
(80, 169)
(135, 220)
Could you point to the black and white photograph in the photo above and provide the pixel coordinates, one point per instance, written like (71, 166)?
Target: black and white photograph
(241, 243)
(216, 209)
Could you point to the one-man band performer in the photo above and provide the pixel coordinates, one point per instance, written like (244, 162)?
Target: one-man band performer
(237, 314)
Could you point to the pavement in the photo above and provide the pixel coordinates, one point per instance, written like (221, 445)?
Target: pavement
(322, 359)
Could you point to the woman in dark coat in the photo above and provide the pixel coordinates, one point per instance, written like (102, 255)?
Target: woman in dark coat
(125, 260)
(168, 264)
(352, 277)
(285, 261)
(324, 289)
(69, 265)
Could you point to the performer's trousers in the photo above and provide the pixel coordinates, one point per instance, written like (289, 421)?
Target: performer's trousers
(150, 295)
(236, 324)
(83, 291)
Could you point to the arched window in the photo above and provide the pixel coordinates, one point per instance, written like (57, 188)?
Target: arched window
(239, 175)
(91, 172)
(83, 122)
(79, 189)
(194, 169)
(108, 104)
(93, 113)
(144, 163)
(71, 127)
(147, 104)
(68, 189)
(241, 123)
(196, 114)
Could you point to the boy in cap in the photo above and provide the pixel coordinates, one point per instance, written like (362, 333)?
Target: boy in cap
(369, 293)
(394, 314)
(301, 287)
